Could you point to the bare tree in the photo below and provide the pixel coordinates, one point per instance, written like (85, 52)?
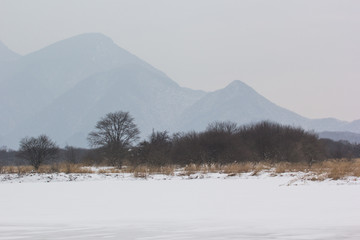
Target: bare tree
(37, 150)
(114, 134)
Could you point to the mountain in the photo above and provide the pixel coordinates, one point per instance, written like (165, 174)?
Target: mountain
(153, 99)
(344, 136)
(62, 90)
(6, 55)
(353, 126)
(37, 79)
(6, 58)
(239, 103)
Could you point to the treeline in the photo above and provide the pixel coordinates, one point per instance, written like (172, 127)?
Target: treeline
(9, 157)
(225, 142)
(115, 142)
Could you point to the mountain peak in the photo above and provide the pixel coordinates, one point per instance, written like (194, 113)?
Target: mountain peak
(237, 83)
(90, 37)
(238, 87)
(84, 43)
(81, 55)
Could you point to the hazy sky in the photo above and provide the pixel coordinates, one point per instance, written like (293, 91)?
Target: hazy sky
(303, 55)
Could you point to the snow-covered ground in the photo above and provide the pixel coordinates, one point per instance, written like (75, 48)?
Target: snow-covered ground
(213, 206)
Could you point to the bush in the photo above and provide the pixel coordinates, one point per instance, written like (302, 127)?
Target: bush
(156, 150)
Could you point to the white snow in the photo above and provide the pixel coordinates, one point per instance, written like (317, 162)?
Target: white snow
(211, 206)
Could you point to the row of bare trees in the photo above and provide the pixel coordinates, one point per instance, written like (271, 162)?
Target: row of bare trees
(38, 150)
(225, 142)
(114, 137)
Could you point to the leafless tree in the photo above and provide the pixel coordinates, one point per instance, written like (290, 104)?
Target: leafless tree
(114, 134)
(38, 150)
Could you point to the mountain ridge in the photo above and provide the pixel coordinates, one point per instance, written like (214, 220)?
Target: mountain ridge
(341, 136)
(231, 103)
(63, 89)
(51, 71)
(6, 54)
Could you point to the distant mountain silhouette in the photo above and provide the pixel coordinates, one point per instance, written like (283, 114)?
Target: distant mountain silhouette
(239, 103)
(63, 89)
(39, 78)
(152, 98)
(6, 55)
(341, 136)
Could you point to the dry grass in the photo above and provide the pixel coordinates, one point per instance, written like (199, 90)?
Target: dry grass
(284, 167)
(145, 170)
(108, 170)
(192, 169)
(53, 168)
(141, 171)
(338, 169)
(16, 169)
(200, 168)
(330, 169)
(260, 167)
(230, 169)
(64, 168)
(236, 168)
(168, 170)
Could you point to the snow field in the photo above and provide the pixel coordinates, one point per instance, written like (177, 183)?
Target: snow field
(209, 208)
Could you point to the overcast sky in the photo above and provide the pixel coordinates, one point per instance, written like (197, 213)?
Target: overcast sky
(302, 55)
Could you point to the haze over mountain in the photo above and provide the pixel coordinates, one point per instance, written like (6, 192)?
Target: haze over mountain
(341, 136)
(37, 79)
(236, 102)
(6, 55)
(63, 89)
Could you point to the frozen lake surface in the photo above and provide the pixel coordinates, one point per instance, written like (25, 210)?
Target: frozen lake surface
(233, 208)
